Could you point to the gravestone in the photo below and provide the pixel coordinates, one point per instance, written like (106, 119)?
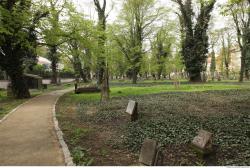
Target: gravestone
(150, 154)
(203, 142)
(132, 110)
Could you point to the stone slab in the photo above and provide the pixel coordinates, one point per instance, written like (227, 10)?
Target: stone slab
(203, 140)
(131, 107)
(148, 152)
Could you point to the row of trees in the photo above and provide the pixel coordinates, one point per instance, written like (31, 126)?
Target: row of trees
(240, 12)
(141, 42)
(233, 38)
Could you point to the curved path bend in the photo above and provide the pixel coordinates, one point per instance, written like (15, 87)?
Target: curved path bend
(28, 136)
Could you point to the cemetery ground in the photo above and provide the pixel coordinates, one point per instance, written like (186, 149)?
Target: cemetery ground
(9, 103)
(102, 134)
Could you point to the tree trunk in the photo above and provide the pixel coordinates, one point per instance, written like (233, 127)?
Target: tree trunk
(227, 72)
(242, 69)
(83, 76)
(101, 71)
(247, 74)
(105, 87)
(212, 74)
(159, 74)
(54, 63)
(19, 87)
(195, 77)
(54, 72)
(134, 76)
(88, 73)
(103, 75)
(79, 70)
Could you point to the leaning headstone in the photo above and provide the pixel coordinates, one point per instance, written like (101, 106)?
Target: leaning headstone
(203, 142)
(150, 154)
(132, 110)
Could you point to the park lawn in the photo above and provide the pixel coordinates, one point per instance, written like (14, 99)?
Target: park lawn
(101, 134)
(139, 89)
(7, 104)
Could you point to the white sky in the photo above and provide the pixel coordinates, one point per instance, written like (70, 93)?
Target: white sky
(87, 6)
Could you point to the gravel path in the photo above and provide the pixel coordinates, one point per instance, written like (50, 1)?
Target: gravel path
(28, 136)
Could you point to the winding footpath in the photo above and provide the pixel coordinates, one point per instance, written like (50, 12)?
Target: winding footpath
(28, 136)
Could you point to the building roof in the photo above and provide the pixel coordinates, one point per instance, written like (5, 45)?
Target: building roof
(43, 61)
(47, 63)
(32, 76)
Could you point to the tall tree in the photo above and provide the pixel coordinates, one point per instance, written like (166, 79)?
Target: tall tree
(136, 19)
(213, 64)
(118, 65)
(226, 40)
(103, 76)
(214, 38)
(53, 34)
(195, 38)
(18, 40)
(79, 42)
(161, 49)
(239, 10)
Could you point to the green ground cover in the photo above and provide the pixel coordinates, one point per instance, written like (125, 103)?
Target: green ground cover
(101, 134)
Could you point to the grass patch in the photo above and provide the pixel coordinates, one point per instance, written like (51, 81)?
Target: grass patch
(170, 116)
(118, 91)
(7, 103)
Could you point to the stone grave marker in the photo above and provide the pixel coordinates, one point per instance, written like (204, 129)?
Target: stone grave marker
(132, 110)
(203, 141)
(150, 154)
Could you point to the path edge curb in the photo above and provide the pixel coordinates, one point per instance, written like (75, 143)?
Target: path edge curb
(67, 155)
